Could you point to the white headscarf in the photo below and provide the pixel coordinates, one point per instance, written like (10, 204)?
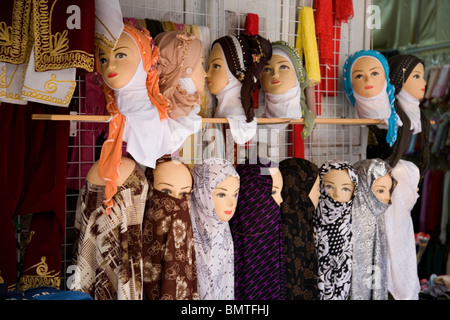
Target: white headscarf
(148, 138)
(286, 105)
(403, 280)
(214, 251)
(229, 106)
(411, 106)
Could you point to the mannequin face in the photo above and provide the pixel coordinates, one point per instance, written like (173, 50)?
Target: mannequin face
(278, 76)
(172, 178)
(217, 72)
(368, 77)
(119, 66)
(315, 193)
(339, 185)
(382, 188)
(198, 77)
(277, 185)
(225, 198)
(415, 84)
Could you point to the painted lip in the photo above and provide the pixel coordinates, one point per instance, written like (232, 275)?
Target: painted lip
(368, 87)
(208, 82)
(228, 212)
(112, 75)
(423, 89)
(275, 82)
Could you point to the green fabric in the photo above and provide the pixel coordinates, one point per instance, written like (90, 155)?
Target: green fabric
(399, 20)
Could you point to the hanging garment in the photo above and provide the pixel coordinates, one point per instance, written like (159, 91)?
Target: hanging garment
(33, 169)
(297, 212)
(214, 251)
(333, 236)
(402, 276)
(369, 278)
(445, 227)
(257, 228)
(108, 247)
(168, 247)
(108, 23)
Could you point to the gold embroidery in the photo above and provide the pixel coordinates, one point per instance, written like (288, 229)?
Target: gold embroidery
(51, 87)
(52, 50)
(14, 38)
(43, 277)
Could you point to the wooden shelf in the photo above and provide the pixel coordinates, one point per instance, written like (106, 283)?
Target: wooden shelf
(262, 121)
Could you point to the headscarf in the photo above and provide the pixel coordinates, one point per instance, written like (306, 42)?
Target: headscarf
(257, 227)
(213, 241)
(110, 157)
(294, 97)
(297, 210)
(391, 136)
(168, 245)
(403, 279)
(369, 279)
(180, 55)
(246, 56)
(333, 230)
(401, 67)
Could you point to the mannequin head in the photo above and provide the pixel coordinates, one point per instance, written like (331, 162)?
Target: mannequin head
(245, 57)
(172, 178)
(314, 194)
(407, 72)
(339, 185)
(277, 184)
(368, 77)
(278, 75)
(198, 76)
(225, 197)
(382, 188)
(217, 70)
(119, 66)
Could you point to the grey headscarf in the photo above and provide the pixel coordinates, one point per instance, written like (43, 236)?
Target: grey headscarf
(213, 241)
(369, 276)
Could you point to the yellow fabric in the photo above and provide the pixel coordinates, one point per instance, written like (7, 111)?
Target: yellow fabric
(306, 44)
(169, 26)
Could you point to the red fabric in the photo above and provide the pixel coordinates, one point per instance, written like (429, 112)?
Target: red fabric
(323, 16)
(67, 48)
(297, 148)
(434, 214)
(251, 27)
(344, 10)
(32, 174)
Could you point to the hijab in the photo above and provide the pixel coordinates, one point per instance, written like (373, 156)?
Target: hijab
(213, 240)
(369, 279)
(291, 104)
(111, 153)
(403, 280)
(168, 245)
(297, 210)
(401, 67)
(379, 107)
(257, 227)
(333, 230)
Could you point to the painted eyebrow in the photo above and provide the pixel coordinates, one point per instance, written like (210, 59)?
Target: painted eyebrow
(185, 187)
(216, 59)
(123, 47)
(165, 184)
(369, 70)
(283, 61)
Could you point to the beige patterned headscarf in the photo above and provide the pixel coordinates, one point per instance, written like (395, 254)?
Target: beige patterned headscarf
(180, 54)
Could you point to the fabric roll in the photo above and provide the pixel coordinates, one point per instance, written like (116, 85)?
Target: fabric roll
(168, 247)
(108, 247)
(333, 236)
(214, 248)
(369, 274)
(297, 210)
(257, 227)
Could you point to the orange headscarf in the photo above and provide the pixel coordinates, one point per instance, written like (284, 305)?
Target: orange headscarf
(111, 154)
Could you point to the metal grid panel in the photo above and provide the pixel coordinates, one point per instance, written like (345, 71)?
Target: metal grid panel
(278, 20)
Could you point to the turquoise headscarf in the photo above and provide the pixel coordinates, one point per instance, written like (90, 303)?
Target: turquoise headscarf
(392, 133)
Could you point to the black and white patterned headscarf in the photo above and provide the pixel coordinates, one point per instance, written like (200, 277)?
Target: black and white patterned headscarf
(332, 227)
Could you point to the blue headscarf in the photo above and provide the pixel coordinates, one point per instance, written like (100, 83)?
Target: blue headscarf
(392, 133)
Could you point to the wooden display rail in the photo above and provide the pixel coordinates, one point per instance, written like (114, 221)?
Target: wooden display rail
(93, 118)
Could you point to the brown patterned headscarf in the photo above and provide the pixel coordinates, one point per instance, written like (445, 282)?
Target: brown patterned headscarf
(180, 55)
(297, 212)
(168, 246)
